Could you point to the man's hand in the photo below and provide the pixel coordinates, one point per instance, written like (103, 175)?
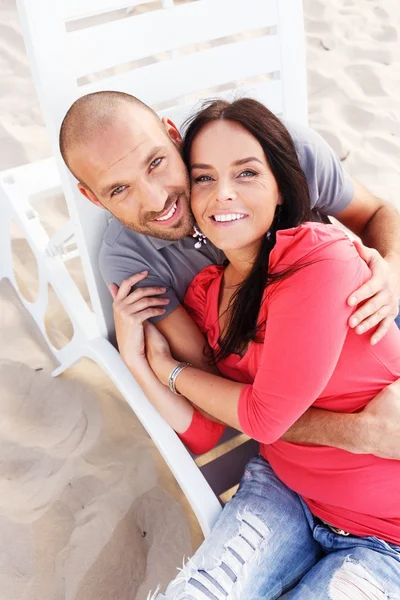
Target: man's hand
(381, 417)
(131, 310)
(380, 294)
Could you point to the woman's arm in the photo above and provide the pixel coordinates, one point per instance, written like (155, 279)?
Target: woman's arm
(131, 311)
(199, 433)
(306, 329)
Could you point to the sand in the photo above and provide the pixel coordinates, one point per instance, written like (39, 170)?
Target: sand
(88, 509)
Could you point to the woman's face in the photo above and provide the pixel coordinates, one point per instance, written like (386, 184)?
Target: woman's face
(234, 193)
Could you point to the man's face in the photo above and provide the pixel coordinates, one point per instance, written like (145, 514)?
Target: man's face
(134, 169)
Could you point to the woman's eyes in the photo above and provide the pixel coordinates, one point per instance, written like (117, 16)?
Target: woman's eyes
(118, 190)
(243, 174)
(247, 173)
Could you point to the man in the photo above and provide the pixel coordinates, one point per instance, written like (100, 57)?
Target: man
(128, 161)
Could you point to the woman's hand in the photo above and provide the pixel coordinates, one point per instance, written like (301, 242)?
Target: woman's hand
(131, 310)
(158, 353)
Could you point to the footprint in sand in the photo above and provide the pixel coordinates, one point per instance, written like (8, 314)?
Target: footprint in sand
(380, 13)
(383, 56)
(386, 147)
(387, 33)
(34, 410)
(357, 117)
(18, 564)
(120, 567)
(363, 76)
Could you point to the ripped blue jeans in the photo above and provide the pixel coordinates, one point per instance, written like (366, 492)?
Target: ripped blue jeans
(397, 319)
(266, 543)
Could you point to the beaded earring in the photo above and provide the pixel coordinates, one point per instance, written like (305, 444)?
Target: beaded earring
(201, 238)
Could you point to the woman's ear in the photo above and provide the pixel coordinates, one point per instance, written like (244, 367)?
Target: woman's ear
(172, 131)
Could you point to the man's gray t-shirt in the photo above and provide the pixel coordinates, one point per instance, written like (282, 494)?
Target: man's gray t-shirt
(174, 264)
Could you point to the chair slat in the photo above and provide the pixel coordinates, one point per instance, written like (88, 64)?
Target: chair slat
(167, 80)
(117, 42)
(72, 10)
(268, 92)
(226, 471)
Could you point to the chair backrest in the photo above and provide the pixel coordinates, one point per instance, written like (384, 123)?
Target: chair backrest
(169, 54)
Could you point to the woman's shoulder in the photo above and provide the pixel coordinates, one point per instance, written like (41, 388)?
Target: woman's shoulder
(311, 241)
(201, 284)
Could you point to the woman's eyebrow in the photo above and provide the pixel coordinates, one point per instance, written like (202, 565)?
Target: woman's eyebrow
(236, 163)
(243, 161)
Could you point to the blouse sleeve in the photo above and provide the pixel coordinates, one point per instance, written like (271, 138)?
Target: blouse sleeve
(307, 324)
(202, 434)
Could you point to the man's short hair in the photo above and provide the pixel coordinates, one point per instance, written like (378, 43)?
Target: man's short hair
(88, 115)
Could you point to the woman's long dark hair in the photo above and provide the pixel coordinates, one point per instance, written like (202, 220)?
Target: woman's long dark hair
(281, 156)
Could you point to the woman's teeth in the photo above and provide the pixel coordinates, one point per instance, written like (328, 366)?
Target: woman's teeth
(168, 215)
(229, 217)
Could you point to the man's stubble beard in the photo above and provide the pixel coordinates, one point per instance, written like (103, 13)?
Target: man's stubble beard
(176, 232)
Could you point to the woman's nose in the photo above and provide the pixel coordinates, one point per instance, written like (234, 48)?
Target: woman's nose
(225, 192)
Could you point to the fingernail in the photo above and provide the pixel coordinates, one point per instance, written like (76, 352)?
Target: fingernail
(143, 272)
(352, 300)
(360, 329)
(353, 322)
(373, 341)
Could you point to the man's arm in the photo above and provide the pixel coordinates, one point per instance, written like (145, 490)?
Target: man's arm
(185, 339)
(377, 223)
(375, 430)
(334, 193)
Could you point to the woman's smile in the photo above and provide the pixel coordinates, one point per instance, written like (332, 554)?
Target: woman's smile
(224, 219)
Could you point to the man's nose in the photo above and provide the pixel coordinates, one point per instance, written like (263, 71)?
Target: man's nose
(154, 197)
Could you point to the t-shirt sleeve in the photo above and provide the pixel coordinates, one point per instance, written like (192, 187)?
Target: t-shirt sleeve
(117, 265)
(307, 324)
(331, 187)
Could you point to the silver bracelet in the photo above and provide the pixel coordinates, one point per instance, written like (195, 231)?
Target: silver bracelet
(174, 374)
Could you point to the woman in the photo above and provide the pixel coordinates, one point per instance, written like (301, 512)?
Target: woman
(318, 521)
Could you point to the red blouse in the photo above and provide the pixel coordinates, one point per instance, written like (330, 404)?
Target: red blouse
(310, 357)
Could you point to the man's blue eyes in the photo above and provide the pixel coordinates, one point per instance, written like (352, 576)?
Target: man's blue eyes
(118, 190)
(122, 188)
(156, 162)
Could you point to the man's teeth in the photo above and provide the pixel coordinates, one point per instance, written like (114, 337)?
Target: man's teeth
(169, 214)
(230, 217)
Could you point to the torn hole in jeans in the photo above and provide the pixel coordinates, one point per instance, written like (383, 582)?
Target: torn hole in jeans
(225, 580)
(353, 580)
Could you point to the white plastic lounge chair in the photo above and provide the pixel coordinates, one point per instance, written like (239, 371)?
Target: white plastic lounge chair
(256, 46)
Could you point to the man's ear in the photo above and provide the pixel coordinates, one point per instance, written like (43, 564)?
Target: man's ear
(89, 195)
(172, 131)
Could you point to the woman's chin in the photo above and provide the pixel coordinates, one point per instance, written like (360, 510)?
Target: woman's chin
(231, 245)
